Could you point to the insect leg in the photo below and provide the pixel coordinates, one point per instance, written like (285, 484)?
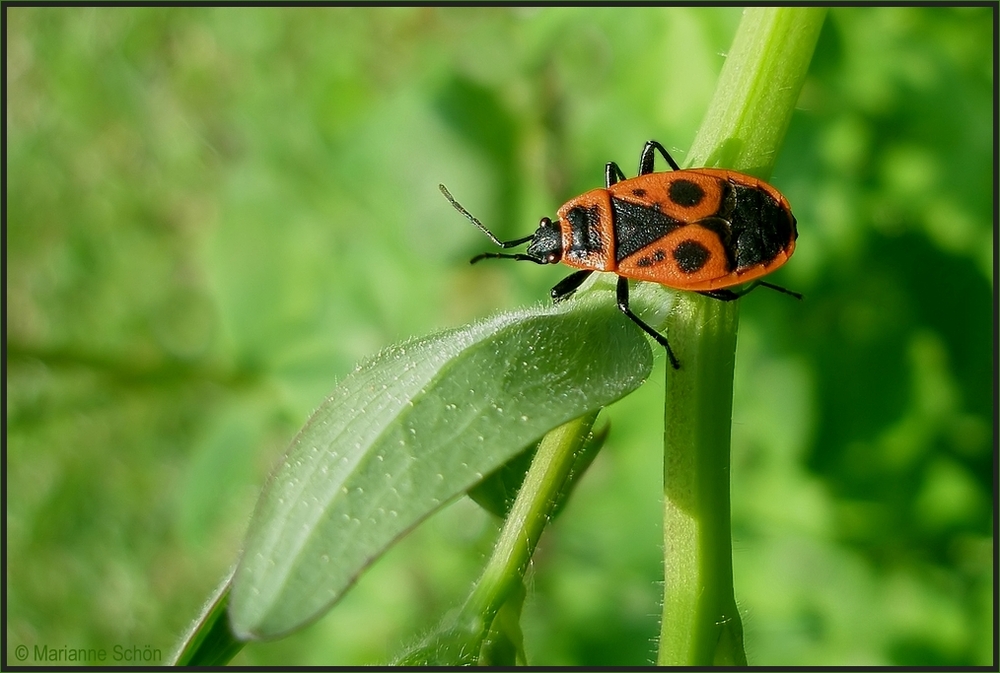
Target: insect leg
(646, 158)
(612, 174)
(568, 285)
(623, 307)
(779, 289)
(730, 295)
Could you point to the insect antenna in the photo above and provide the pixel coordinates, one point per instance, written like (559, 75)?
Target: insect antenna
(457, 206)
(499, 255)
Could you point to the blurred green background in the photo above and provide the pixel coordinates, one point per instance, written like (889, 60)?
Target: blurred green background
(214, 214)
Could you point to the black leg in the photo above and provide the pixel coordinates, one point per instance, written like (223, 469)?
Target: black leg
(730, 295)
(722, 295)
(778, 288)
(646, 159)
(568, 285)
(623, 306)
(612, 174)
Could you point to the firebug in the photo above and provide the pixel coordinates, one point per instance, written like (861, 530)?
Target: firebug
(702, 229)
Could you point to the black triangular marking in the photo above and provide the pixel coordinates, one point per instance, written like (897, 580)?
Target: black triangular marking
(636, 226)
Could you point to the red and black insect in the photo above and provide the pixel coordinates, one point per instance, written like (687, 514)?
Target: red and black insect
(703, 229)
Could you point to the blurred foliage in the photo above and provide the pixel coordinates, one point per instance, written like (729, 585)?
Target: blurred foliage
(212, 214)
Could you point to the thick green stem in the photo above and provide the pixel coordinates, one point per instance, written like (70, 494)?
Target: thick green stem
(698, 602)
(757, 90)
(743, 130)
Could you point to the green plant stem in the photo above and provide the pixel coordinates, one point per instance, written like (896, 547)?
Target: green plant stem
(757, 90)
(698, 600)
(743, 130)
(538, 496)
(211, 641)
(459, 639)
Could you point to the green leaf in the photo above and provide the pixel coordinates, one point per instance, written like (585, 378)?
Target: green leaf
(410, 430)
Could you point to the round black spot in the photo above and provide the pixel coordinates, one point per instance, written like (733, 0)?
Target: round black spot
(691, 256)
(639, 192)
(686, 193)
